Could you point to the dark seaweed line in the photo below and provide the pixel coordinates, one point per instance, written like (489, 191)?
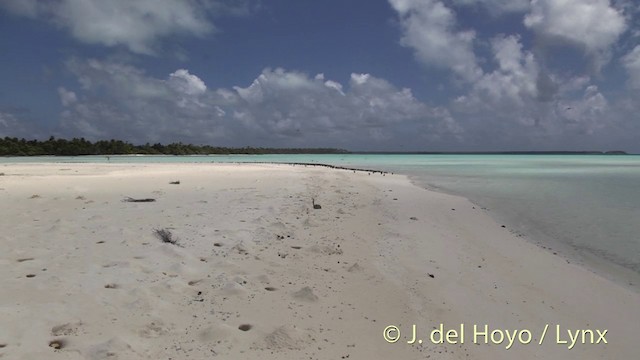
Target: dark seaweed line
(336, 167)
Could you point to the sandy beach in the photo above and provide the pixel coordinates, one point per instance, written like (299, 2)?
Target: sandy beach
(259, 272)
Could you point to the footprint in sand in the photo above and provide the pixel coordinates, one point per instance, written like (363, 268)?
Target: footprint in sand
(305, 294)
(113, 349)
(286, 338)
(355, 268)
(66, 329)
(326, 250)
(154, 329)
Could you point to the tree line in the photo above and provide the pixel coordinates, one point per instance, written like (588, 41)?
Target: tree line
(80, 146)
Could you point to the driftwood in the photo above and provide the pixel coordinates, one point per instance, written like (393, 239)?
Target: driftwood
(175, 182)
(315, 206)
(130, 199)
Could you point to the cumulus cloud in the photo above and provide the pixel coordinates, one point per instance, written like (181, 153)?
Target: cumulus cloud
(429, 28)
(7, 122)
(586, 114)
(187, 83)
(293, 104)
(524, 106)
(66, 97)
(508, 89)
(122, 101)
(631, 62)
(13, 126)
(279, 108)
(137, 25)
(594, 25)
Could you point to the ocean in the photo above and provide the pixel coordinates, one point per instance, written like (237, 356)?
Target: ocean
(584, 207)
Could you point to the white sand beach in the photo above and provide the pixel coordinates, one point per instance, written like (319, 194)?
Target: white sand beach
(259, 273)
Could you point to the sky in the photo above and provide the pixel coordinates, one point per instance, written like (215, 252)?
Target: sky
(375, 75)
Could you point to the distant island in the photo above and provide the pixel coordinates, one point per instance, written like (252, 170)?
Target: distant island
(612, 152)
(80, 146)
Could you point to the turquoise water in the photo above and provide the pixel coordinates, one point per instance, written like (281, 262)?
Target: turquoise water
(586, 204)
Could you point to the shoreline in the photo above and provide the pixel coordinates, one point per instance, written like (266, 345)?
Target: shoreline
(600, 266)
(256, 254)
(585, 258)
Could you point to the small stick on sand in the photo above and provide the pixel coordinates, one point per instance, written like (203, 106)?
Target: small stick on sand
(130, 199)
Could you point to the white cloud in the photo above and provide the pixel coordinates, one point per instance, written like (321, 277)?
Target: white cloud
(631, 62)
(187, 83)
(519, 105)
(511, 85)
(587, 114)
(498, 7)
(121, 101)
(7, 121)
(429, 28)
(13, 126)
(593, 24)
(66, 97)
(137, 25)
(279, 108)
(291, 104)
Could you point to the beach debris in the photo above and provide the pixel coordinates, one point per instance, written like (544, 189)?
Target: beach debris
(245, 327)
(431, 275)
(130, 199)
(1, 174)
(35, 196)
(413, 218)
(177, 182)
(165, 236)
(240, 248)
(315, 206)
(57, 344)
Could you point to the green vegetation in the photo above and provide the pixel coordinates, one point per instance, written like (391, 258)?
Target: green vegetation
(52, 146)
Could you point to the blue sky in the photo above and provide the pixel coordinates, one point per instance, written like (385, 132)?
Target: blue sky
(440, 75)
